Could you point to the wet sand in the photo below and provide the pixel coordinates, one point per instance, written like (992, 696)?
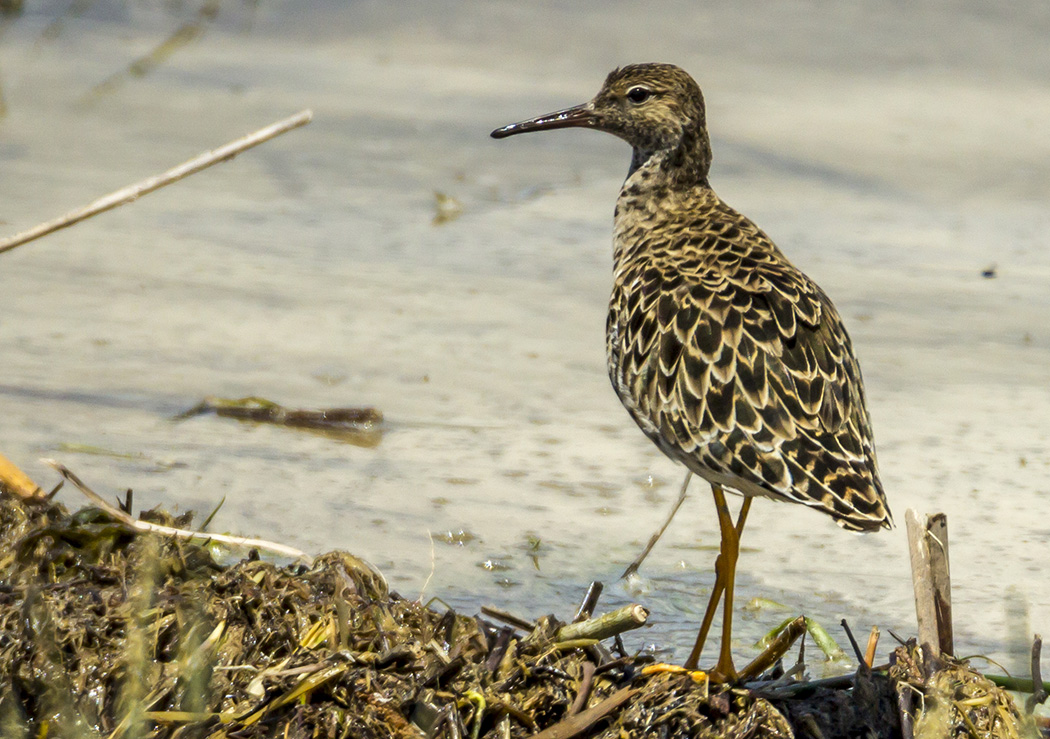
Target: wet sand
(894, 157)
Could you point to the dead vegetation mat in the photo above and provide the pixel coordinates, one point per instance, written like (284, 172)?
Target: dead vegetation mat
(109, 633)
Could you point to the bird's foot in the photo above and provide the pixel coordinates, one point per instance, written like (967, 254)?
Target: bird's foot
(724, 674)
(698, 676)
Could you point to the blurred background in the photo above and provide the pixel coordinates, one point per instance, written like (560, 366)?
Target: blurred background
(392, 255)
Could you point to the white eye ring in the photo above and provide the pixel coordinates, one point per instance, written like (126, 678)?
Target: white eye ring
(639, 94)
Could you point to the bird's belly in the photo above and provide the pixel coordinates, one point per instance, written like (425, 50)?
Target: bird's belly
(635, 375)
(732, 483)
(697, 458)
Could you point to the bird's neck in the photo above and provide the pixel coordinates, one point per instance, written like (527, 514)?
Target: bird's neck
(656, 198)
(639, 159)
(662, 187)
(664, 178)
(683, 166)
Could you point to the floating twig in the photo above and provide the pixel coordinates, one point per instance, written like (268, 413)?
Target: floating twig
(133, 192)
(145, 64)
(154, 528)
(362, 426)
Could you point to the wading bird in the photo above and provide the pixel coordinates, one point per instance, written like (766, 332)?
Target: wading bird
(729, 358)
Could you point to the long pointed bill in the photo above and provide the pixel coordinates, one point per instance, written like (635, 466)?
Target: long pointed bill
(579, 116)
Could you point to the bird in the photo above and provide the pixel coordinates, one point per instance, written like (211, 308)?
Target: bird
(727, 356)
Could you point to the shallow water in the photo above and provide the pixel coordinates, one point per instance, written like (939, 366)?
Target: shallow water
(893, 156)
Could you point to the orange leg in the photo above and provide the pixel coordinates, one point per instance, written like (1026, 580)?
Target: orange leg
(725, 576)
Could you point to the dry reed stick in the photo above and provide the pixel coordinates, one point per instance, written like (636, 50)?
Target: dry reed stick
(931, 579)
(154, 528)
(873, 643)
(133, 192)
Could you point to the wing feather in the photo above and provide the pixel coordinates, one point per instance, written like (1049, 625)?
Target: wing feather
(738, 365)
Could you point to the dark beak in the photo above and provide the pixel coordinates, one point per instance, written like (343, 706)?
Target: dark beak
(579, 116)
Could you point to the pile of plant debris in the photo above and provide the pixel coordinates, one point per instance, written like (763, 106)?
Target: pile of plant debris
(105, 632)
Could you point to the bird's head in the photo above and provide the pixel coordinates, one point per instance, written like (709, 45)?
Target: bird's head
(656, 108)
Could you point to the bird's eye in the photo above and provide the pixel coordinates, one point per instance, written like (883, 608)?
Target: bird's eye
(639, 94)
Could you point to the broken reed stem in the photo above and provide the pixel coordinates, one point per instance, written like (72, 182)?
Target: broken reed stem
(18, 482)
(133, 192)
(575, 725)
(153, 528)
(854, 645)
(586, 683)
(590, 602)
(905, 699)
(776, 649)
(1016, 684)
(509, 618)
(1039, 692)
(873, 643)
(931, 579)
(606, 625)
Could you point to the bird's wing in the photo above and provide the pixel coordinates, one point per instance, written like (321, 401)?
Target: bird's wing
(746, 370)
